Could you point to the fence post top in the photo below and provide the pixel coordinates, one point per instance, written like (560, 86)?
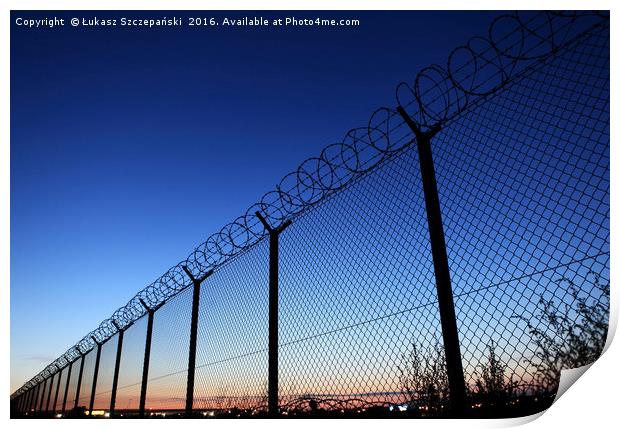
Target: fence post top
(269, 228)
(419, 134)
(196, 281)
(145, 306)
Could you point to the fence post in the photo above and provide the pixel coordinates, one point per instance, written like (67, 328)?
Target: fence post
(274, 235)
(447, 314)
(95, 375)
(57, 388)
(117, 364)
(36, 398)
(49, 394)
(42, 397)
(191, 364)
(79, 383)
(30, 396)
(64, 399)
(29, 400)
(147, 357)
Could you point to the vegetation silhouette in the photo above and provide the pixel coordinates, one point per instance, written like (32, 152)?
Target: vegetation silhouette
(569, 335)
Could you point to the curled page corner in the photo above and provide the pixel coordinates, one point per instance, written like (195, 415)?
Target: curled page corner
(517, 421)
(568, 377)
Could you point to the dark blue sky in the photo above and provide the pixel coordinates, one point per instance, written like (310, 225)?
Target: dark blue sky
(130, 146)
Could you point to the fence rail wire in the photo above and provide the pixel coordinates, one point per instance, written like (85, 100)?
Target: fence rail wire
(517, 45)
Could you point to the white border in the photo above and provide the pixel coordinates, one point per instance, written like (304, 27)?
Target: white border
(590, 402)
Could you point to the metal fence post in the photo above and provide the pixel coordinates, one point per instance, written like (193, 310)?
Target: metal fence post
(147, 357)
(38, 397)
(28, 399)
(35, 398)
(42, 396)
(193, 339)
(274, 235)
(49, 394)
(57, 388)
(31, 399)
(447, 314)
(79, 383)
(64, 399)
(117, 364)
(95, 375)
(30, 395)
(39, 394)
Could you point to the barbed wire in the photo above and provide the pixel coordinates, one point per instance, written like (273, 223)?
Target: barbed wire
(438, 94)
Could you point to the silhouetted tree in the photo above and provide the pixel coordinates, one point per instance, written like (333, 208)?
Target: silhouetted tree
(424, 378)
(571, 335)
(492, 386)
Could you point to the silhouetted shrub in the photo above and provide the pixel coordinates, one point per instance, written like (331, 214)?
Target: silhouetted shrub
(569, 335)
(424, 379)
(493, 388)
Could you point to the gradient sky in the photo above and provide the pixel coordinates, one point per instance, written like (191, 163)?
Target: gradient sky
(130, 146)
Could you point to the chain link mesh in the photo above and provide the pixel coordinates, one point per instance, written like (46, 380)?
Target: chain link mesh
(105, 376)
(61, 390)
(169, 355)
(231, 362)
(130, 369)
